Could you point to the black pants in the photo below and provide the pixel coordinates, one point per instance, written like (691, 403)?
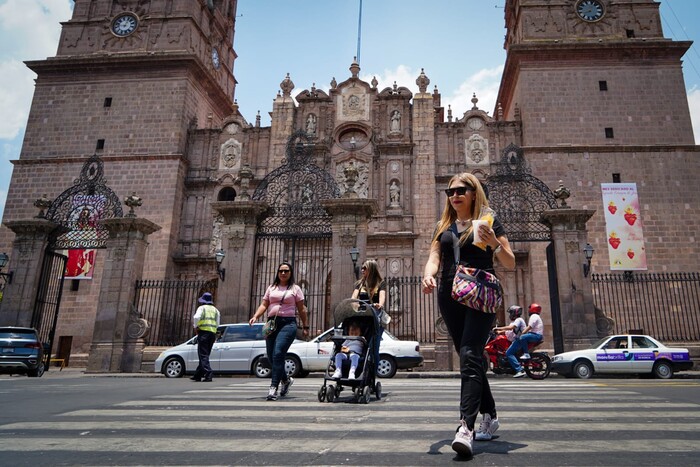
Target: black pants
(205, 342)
(469, 330)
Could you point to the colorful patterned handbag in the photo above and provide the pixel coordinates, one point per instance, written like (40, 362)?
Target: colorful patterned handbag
(475, 288)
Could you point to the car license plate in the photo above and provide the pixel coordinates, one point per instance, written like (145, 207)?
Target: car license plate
(8, 350)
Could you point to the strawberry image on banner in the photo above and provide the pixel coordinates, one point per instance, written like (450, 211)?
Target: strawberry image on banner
(624, 228)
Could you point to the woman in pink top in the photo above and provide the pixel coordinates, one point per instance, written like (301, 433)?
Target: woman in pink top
(282, 300)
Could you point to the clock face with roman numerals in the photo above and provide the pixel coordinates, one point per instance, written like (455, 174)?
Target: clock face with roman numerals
(590, 10)
(124, 24)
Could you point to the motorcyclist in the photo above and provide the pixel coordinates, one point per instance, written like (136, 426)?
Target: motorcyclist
(512, 332)
(533, 332)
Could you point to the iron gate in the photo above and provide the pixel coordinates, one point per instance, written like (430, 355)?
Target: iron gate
(297, 228)
(48, 297)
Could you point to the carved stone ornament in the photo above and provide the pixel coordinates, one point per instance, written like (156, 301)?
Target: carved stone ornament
(231, 154)
(354, 104)
(477, 149)
(236, 239)
(347, 238)
(571, 247)
(232, 128)
(352, 178)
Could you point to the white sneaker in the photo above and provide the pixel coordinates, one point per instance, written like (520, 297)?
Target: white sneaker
(351, 373)
(519, 374)
(337, 374)
(525, 356)
(487, 428)
(284, 390)
(272, 394)
(462, 443)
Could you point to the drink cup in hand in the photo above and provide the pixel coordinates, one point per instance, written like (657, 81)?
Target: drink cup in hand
(485, 217)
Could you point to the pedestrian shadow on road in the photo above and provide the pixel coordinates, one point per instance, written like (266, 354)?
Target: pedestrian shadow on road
(480, 447)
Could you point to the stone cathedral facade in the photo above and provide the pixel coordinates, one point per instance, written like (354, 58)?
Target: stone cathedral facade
(592, 92)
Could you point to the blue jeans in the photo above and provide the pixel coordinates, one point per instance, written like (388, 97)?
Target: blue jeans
(511, 352)
(523, 341)
(278, 344)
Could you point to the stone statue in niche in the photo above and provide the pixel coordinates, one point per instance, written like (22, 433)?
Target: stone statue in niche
(394, 297)
(311, 124)
(350, 172)
(394, 194)
(395, 125)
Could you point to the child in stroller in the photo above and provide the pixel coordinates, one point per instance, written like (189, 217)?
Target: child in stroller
(351, 349)
(356, 330)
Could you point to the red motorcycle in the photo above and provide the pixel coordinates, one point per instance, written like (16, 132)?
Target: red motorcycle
(495, 359)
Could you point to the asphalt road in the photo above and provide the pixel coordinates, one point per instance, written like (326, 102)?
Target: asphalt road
(69, 418)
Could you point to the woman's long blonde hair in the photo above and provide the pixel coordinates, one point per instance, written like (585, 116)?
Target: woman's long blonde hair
(449, 215)
(374, 278)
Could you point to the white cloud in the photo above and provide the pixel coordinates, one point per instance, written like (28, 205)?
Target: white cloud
(29, 30)
(484, 83)
(694, 103)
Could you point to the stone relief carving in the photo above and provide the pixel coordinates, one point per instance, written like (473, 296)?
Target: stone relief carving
(394, 166)
(232, 129)
(215, 242)
(477, 149)
(236, 239)
(352, 178)
(348, 238)
(231, 154)
(571, 247)
(354, 104)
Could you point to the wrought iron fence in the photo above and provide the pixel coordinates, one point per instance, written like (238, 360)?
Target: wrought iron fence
(663, 305)
(168, 307)
(413, 313)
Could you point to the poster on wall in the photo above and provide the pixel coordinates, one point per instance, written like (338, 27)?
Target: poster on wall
(623, 224)
(81, 263)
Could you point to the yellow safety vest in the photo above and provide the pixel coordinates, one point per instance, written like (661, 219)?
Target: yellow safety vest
(207, 321)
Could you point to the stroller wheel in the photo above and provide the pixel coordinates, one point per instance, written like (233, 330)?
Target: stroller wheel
(330, 394)
(378, 390)
(365, 395)
(321, 393)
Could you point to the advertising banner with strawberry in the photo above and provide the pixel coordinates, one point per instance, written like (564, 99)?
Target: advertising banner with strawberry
(623, 224)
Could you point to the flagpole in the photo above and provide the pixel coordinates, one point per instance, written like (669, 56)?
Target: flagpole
(359, 32)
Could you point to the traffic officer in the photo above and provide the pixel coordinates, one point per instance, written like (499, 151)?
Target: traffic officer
(205, 322)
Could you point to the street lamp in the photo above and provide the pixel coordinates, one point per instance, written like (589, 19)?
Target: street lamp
(588, 253)
(354, 256)
(7, 277)
(220, 255)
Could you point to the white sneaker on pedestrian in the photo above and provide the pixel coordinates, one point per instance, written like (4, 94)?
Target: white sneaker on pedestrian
(487, 428)
(519, 374)
(337, 374)
(525, 356)
(272, 394)
(351, 373)
(284, 390)
(462, 443)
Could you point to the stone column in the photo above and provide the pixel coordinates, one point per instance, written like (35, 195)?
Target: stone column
(238, 241)
(26, 259)
(113, 348)
(577, 313)
(349, 225)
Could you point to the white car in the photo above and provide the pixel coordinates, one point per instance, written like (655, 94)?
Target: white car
(240, 349)
(624, 353)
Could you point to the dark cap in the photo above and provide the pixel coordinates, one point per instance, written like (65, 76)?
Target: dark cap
(206, 299)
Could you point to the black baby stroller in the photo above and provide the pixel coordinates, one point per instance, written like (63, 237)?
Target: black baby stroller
(362, 313)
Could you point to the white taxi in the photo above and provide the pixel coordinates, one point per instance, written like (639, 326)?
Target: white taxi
(624, 353)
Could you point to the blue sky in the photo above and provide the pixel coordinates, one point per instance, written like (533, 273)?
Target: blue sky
(459, 43)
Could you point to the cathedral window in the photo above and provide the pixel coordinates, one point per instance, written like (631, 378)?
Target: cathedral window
(609, 133)
(108, 102)
(100, 144)
(603, 85)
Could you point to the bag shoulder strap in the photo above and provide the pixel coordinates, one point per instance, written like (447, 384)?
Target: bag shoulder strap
(455, 246)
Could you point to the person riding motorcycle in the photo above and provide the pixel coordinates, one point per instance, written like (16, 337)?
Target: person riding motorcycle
(533, 332)
(513, 332)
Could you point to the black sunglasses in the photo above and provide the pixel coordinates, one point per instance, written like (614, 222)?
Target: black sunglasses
(283, 271)
(460, 190)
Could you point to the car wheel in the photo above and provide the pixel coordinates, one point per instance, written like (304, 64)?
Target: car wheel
(292, 366)
(38, 373)
(174, 367)
(386, 367)
(583, 369)
(662, 370)
(261, 369)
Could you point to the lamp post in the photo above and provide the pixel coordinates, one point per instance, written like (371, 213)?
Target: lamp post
(588, 253)
(220, 255)
(354, 256)
(7, 277)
